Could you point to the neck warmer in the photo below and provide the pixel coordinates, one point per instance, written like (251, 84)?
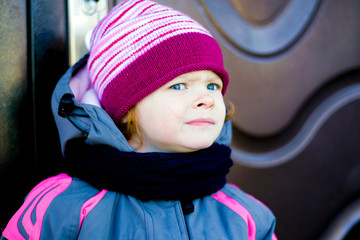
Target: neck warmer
(149, 176)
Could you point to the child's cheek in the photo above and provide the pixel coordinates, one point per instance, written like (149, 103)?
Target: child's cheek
(171, 120)
(175, 111)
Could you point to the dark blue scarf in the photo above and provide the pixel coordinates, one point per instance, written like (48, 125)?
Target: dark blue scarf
(150, 176)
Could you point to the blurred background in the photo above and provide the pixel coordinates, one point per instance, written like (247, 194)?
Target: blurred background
(295, 82)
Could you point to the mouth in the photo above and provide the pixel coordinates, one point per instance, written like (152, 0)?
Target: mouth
(201, 122)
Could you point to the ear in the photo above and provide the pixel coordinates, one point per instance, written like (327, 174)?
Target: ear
(129, 116)
(125, 118)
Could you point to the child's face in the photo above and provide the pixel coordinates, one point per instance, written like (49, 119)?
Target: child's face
(186, 114)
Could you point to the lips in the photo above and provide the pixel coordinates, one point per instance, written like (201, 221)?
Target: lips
(201, 122)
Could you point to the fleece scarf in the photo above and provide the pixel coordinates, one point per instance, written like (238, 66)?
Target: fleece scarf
(150, 176)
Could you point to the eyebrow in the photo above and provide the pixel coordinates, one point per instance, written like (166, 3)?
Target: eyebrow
(207, 79)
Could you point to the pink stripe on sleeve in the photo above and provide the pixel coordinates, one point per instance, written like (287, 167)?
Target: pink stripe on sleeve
(257, 200)
(239, 209)
(40, 197)
(233, 185)
(89, 205)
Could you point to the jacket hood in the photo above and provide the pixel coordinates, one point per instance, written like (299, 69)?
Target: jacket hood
(86, 117)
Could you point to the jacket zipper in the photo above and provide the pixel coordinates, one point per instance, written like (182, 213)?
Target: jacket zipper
(187, 207)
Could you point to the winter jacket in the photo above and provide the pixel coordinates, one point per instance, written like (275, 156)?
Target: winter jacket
(63, 207)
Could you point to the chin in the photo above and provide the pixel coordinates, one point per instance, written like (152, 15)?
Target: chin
(200, 145)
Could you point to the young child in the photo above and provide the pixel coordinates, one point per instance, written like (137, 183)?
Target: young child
(144, 132)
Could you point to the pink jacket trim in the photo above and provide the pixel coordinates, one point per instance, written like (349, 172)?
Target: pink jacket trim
(249, 195)
(40, 197)
(239, 209)
(89, 205)
(233, 185)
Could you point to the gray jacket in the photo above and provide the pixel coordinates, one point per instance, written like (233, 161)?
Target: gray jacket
(63, 207)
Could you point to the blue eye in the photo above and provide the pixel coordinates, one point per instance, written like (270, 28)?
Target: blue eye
(212, 86)
(179, 86)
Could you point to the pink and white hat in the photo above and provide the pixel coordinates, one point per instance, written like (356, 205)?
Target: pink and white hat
(140, 46)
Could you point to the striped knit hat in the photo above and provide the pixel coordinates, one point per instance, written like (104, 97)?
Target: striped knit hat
(140, 46)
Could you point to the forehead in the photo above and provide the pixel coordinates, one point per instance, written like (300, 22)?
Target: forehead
(198, 75)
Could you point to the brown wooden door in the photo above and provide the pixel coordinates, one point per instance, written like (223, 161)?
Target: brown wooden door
(294, 79)
(33, 56)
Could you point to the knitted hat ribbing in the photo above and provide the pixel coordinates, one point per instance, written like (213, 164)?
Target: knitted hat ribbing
(140, 46)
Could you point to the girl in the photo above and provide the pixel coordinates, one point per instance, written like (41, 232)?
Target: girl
(141, 123)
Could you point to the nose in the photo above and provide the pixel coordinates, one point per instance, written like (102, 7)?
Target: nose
(203, 101)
